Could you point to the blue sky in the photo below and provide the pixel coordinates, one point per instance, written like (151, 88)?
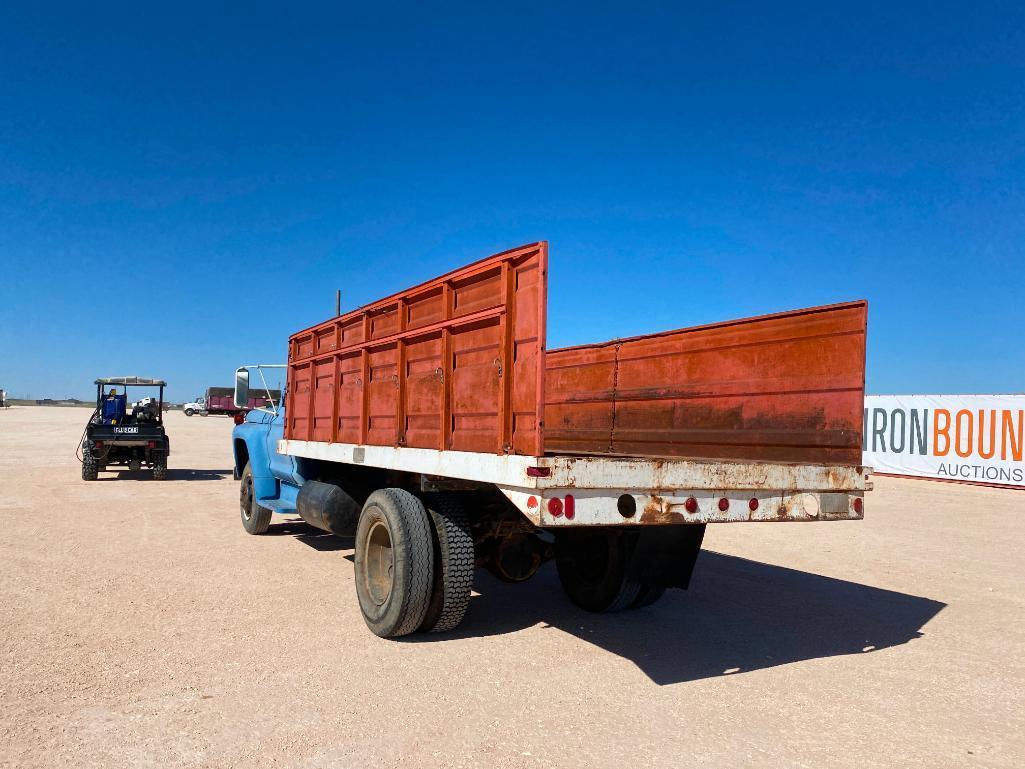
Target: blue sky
(180, 189)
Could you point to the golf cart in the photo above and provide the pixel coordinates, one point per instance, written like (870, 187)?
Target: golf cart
(119, 433)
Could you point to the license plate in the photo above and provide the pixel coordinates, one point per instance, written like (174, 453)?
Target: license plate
(127, 430)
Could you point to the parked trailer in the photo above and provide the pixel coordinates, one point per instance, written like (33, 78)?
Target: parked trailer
(435, 426)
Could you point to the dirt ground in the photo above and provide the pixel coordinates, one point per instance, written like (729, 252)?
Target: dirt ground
(141, 626)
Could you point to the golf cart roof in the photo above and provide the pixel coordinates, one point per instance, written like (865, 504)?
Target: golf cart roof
(131, 380)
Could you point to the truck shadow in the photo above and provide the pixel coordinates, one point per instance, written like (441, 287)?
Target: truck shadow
(173, 474)
(737, 616)
(182, 474)
(309, 535)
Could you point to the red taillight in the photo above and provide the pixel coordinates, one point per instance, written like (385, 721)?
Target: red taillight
(691, 505)
(539, 472)
(752, 505)
(555, 506)
(724, 504)
(239, 418)
(152, 444)
(570, 507)
(98, 444)
(857, 504)
(531, 502)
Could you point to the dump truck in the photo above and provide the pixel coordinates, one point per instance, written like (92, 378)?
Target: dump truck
(436, 429)
(220, 400)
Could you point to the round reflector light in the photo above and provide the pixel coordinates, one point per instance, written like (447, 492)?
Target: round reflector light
(724, 504)
(752, 505)
(691, 505)
(555, 506)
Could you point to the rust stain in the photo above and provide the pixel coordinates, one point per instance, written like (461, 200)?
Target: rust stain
(655, 505)
(658, 511)
(835, 478)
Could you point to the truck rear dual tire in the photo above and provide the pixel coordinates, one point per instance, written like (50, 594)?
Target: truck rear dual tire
(255, 518)
(648, 595)
(453, 563)
(593, 567)
(394, 563)
(609, 570)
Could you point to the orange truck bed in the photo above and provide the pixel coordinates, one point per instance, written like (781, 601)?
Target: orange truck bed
(459, 363)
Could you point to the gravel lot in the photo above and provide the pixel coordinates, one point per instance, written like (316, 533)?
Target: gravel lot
(141, 626)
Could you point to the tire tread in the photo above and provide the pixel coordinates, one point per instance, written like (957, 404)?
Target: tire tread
(647, 595)
(455, 561)
(160, 471)
(421, 573)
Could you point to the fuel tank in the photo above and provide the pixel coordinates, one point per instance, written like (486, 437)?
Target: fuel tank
(328, 507)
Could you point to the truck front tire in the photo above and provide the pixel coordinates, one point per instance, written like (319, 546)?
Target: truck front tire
(189, 412)
(593, 568)
(394, 563)
(255, 519)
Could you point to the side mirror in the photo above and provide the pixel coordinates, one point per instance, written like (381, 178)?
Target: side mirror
(241, 388)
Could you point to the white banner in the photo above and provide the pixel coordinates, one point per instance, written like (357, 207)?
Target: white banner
(976, 438)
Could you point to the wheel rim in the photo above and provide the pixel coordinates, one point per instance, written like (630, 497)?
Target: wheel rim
(380, 563)
(246, 498)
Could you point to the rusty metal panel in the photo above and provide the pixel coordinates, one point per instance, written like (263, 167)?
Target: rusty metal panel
(786, 387)
(456, 363)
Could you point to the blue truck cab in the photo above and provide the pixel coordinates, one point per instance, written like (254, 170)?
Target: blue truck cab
(269, 479)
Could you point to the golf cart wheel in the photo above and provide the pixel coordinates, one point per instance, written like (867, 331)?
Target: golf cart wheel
(189, 412)
(90, 467)
(394, 563)
(255, 518)
(453, 564)
(592, 567)
(160, 469)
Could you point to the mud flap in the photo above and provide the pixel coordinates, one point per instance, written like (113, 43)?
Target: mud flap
(664, 556)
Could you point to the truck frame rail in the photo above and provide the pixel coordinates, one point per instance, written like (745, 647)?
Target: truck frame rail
(554, 491)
